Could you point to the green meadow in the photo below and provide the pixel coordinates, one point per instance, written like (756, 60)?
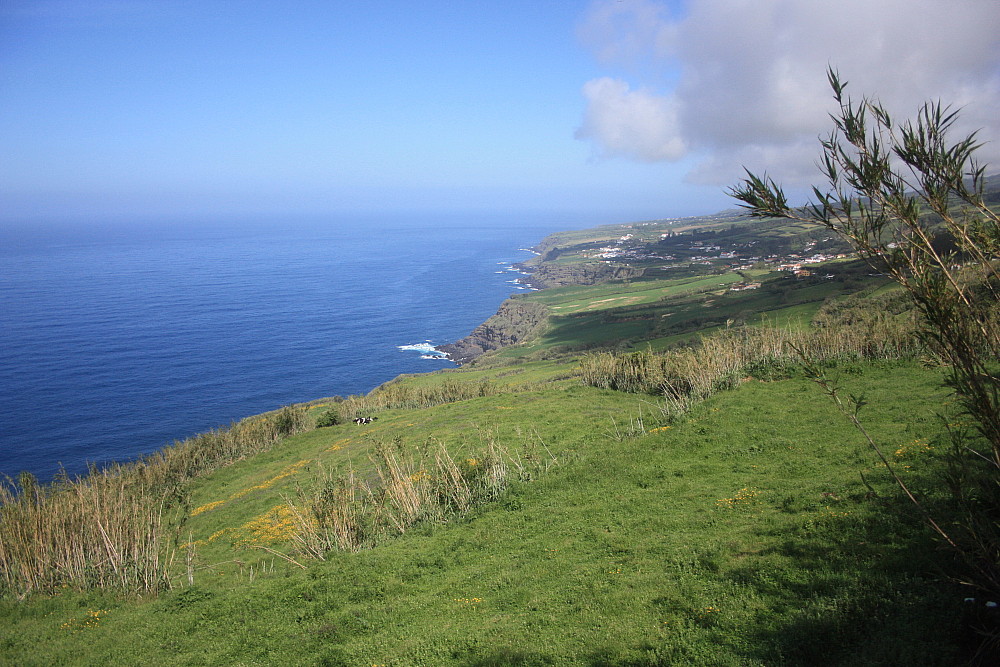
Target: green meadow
(653, 479)
(757, 529)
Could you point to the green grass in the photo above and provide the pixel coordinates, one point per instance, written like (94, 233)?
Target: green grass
(576, 299)
(741, 535)
(658, 313)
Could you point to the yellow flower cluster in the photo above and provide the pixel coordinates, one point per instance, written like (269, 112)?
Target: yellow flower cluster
(275, 525)
(91, 620)
(659, 429)
(290, 470)
(338, 445)
(217, 534)
(744, 497)
(471, 462)
(420, 475)
(468, 601)
(708, 611)
(206, 507)
(287, 472)
(912, 448)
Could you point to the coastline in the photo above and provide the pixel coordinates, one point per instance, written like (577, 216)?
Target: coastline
(517, 320)
(119, 346)
(513, 322)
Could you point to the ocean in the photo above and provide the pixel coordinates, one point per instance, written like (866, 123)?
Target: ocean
(118, 339)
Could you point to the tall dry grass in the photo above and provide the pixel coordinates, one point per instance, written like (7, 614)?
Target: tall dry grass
(405, 488)
(172, 466)
(102, 533)
(396, 394)
(689, 374)
(109, 529)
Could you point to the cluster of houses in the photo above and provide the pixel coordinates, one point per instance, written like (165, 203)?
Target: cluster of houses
(709, 254)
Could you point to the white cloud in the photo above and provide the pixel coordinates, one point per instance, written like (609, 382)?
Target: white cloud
(628, 31)
(630, 123)
(743, 81)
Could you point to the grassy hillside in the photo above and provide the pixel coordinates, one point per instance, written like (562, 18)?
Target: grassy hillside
(720, 511)
(654, 311)
(741, 534)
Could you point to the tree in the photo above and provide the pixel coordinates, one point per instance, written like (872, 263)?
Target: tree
(911, 202)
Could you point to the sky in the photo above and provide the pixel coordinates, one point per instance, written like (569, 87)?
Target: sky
(603, 111)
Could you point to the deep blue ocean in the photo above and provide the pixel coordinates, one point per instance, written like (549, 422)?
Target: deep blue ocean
(118, 339)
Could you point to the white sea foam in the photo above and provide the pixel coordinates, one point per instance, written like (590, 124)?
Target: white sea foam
(418, 347)
(427, 348)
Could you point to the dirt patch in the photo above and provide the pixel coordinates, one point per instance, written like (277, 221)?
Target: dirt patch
(618, 301)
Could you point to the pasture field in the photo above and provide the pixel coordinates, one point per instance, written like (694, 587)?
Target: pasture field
(740, 534)
(654, 312)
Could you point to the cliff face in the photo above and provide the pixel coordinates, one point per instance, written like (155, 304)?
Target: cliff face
(516, 320)
(546, 275)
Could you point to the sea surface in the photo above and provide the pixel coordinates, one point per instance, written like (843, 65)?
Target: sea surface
(117, 339)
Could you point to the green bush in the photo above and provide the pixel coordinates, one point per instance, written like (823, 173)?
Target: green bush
(331, 417)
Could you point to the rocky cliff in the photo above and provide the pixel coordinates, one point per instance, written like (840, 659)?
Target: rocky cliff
(515, 321)
(545, 275)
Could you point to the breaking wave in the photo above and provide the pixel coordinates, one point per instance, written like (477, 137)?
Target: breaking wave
(426, 348)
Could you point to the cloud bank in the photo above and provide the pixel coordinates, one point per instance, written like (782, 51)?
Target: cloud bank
(743, 82)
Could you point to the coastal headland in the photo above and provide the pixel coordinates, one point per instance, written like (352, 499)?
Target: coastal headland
(631, 466)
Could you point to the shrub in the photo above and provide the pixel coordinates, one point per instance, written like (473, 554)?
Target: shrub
(349, 512)
(909, 200)
(330, 417)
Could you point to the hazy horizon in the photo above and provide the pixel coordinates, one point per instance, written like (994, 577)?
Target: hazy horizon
(605, 111)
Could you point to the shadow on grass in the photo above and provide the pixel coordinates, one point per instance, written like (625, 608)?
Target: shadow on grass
(879, 590)
(853, 591)
(508, 657)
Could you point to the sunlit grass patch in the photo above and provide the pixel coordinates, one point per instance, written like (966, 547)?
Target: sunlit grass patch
(276, 525)
(620, 554)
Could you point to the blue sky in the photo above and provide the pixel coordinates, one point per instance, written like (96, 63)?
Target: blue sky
(602, 111)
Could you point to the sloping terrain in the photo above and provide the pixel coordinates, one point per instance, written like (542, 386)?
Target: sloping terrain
(741, 534)
(742, 523)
